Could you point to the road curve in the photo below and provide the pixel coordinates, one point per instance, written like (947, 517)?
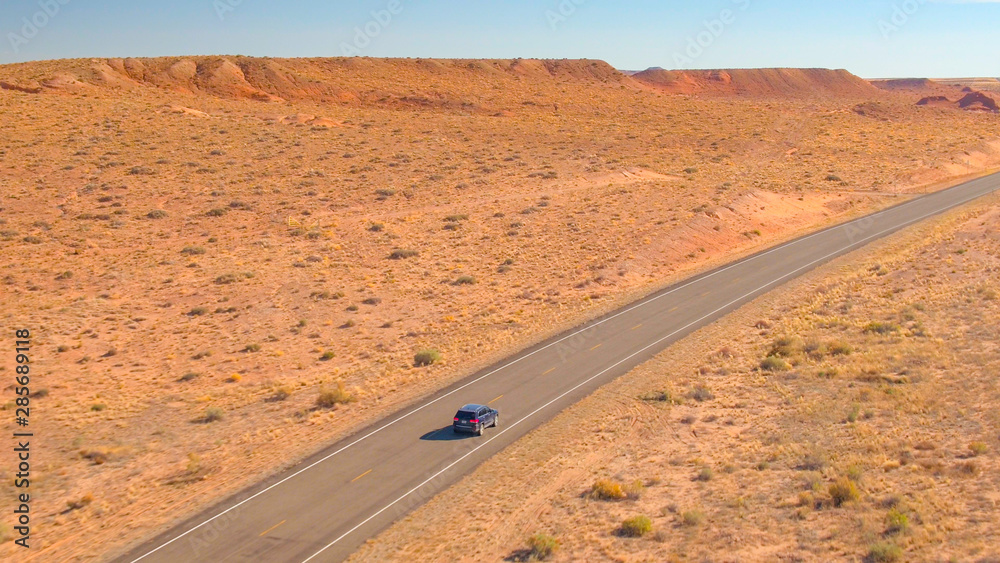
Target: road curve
(325, 507)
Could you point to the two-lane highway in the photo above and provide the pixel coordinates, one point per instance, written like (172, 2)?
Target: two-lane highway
(323, 509)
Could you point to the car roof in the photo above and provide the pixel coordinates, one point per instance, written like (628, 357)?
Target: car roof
(471, 407)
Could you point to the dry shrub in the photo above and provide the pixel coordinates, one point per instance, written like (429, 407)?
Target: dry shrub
(844, 491)
(606, 489)
(426, 357)
(542, 546)
(637, 526)
(329, 398)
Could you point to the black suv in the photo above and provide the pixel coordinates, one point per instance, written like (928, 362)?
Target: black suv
(473, 418)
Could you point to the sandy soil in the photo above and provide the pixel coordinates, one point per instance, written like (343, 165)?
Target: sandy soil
(877, 441)
(198, 260)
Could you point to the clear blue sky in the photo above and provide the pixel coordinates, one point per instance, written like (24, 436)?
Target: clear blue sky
(937, 38)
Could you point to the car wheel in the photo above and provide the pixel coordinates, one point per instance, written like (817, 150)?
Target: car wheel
(479, 430)
(496, 421)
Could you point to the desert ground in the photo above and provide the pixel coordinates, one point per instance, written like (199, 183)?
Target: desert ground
(228, 262)
(851, 416)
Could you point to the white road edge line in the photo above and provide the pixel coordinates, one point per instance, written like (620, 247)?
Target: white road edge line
(642, 303)
(588, 380)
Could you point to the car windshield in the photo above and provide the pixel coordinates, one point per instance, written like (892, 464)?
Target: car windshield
(465, 415)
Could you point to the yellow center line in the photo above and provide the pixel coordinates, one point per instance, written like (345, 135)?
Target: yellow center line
(362, 475)
(271, 529)
(494, 400)
(637, 326)
(705, 294)
(596, 347)
(549, 371)
(674, 309)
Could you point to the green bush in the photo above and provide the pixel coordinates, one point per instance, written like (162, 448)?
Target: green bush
(156, 214)
(426, 357)
(213, 414)
(637, 526)
(465, 280)
(542, 546)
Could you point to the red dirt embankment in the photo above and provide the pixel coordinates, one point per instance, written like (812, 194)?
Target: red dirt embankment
(324, 80)
(367, 81)
(972, 101)
(791, 82)
(906, 84)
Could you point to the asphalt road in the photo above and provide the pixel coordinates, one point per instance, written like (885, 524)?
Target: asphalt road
(327, 506)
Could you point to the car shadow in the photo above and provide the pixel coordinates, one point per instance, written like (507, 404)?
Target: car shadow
(446, 434)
